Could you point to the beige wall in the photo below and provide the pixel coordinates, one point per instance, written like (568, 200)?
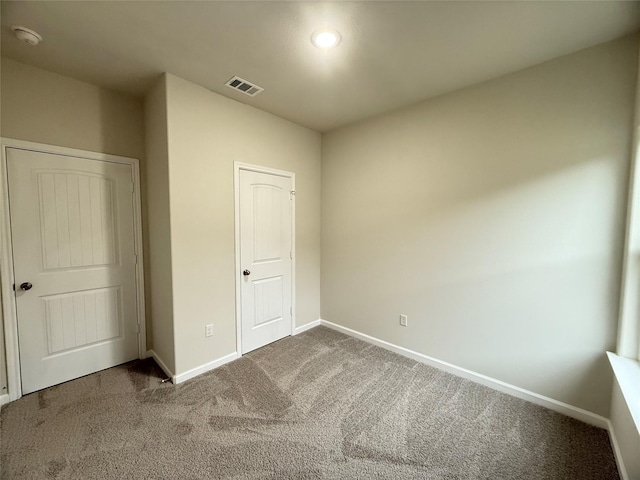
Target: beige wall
(206, 134)
(45, 107)
(160, 290)
(493, 218)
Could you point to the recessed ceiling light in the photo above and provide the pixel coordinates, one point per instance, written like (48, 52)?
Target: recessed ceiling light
(27, 35)
(325, 38)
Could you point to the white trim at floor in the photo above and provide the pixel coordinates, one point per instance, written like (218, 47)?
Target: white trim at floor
(161, 364)
(194, 372)
(308, 326)
(4, 399)
(560, 407)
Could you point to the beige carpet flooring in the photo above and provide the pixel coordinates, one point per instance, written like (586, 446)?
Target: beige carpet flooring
(318, 405)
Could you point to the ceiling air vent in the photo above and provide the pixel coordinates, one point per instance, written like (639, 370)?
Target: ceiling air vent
(243, 86)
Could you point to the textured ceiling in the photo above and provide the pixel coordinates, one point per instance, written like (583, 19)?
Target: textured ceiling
(392, 53)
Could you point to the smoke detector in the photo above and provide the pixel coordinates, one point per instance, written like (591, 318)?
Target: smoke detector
(26, 35)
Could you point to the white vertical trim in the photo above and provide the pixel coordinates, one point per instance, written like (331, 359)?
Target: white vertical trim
(628, 340)
(237, 166)
(293, 252)
(6, 253)
(10, 319)
(139, 252)
(236, 244)
(622, 470)
(627, 373)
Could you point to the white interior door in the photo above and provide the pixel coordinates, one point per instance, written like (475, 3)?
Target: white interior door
(72, 228)
(265, 258)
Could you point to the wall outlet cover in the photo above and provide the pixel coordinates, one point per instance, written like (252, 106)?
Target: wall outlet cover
(208, 330)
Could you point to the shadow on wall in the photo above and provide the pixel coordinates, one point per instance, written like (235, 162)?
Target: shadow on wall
(112, 140)
(527, 274)
(494, 218)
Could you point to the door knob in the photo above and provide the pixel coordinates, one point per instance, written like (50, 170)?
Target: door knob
(25, 286)
(246, 273)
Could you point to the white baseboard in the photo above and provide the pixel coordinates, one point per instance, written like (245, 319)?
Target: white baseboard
(4, 399)
(308, 326)
(194, 372)
(161, 364)
(560, 407)
(616, 452)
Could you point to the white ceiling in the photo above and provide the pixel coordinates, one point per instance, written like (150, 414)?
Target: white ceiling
(392, 53)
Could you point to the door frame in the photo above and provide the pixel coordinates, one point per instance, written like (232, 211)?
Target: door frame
(237, 166)
(9, 311)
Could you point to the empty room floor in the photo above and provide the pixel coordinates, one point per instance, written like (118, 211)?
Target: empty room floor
(317, 405)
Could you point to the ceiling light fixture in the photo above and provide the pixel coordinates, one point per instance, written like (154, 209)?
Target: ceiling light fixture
(325, 38)
(27, 35)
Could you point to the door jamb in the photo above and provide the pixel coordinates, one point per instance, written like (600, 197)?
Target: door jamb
(9, 312)
(237, 166)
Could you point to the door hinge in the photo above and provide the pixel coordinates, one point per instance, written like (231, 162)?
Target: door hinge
(292, 194)
(291, 311)
(135, 259)
(291, 254)
(133, 187)
(137, 328)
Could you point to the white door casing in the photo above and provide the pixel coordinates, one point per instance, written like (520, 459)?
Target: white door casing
(265, 267)
(73, 236)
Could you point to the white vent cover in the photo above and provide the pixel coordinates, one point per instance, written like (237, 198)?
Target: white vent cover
(243, 86)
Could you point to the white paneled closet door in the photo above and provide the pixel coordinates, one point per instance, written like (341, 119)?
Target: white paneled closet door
(72, 226)
(265, 258)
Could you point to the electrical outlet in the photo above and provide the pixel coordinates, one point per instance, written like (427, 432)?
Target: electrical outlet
(208, 330)
(403, 320)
